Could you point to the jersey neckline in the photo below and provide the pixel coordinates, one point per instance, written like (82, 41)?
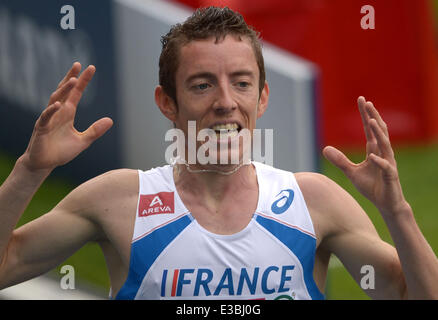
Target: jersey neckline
(210, 233)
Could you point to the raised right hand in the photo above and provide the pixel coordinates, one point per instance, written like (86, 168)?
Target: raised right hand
(54, 140)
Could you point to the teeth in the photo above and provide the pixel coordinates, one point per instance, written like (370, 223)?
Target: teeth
(232, 134)
(226, 127)
(225, 134)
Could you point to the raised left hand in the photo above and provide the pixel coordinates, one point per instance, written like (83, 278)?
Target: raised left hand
(377, 176)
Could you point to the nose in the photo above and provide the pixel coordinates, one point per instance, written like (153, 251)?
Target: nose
(224, 101)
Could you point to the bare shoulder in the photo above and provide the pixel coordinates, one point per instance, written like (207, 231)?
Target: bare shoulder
(114, 181)
(103, 194)
(322, 192)
(312, 181)
(319, 190)
(333, 210)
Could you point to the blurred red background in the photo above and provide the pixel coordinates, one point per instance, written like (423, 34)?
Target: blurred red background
(394, 65)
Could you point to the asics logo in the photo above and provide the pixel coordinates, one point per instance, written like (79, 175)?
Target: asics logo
(281, 205)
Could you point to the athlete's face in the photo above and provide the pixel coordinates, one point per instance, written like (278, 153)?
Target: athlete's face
(217, 83)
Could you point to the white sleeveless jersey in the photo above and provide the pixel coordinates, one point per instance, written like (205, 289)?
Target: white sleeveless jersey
(173, 257)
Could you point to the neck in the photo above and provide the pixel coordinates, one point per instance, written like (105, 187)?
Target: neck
(214, 184)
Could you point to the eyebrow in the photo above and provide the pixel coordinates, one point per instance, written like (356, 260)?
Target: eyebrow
(211, 76)
(204, 75)
(243, 72)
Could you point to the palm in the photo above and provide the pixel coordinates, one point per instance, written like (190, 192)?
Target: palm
(367, 179)
(376, 177)
(55, 141)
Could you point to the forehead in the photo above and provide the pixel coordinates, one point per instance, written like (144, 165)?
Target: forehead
(227, 55)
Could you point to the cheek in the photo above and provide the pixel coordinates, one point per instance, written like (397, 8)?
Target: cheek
(194, 108)
(188, 113)
(255, 110)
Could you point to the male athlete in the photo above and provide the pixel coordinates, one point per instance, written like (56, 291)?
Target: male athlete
(233, 231)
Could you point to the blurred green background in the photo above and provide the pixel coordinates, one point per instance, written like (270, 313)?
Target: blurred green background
(418, 169)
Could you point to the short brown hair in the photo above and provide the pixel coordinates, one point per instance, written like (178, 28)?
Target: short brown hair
(203, 24)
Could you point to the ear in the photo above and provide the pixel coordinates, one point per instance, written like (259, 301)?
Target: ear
(263, 100)
(165, 104)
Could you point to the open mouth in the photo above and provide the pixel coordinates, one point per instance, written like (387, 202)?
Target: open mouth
(228, 130)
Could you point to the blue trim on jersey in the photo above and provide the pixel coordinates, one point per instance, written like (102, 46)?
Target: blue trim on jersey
(145, 251)
(301, 244)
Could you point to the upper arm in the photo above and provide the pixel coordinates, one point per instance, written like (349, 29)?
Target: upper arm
(45, 242)
(345, 230)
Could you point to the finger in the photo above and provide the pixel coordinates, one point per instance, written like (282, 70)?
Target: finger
(48, 113)
(73, 72)
(365, 118)
(61, 93)
(388, 170)
(382, 140)
(77, 91)
(374, 114)
(339, 159)
(97, 129)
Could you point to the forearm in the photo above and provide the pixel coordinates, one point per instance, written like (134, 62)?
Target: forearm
(418, 260)
(15, 194)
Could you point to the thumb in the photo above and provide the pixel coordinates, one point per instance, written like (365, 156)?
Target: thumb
(97, 129)
(338, 159)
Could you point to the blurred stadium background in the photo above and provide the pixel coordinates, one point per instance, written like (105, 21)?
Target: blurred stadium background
(318, 58)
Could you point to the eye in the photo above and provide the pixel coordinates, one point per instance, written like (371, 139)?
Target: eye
(201, 86)
(243, 84)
